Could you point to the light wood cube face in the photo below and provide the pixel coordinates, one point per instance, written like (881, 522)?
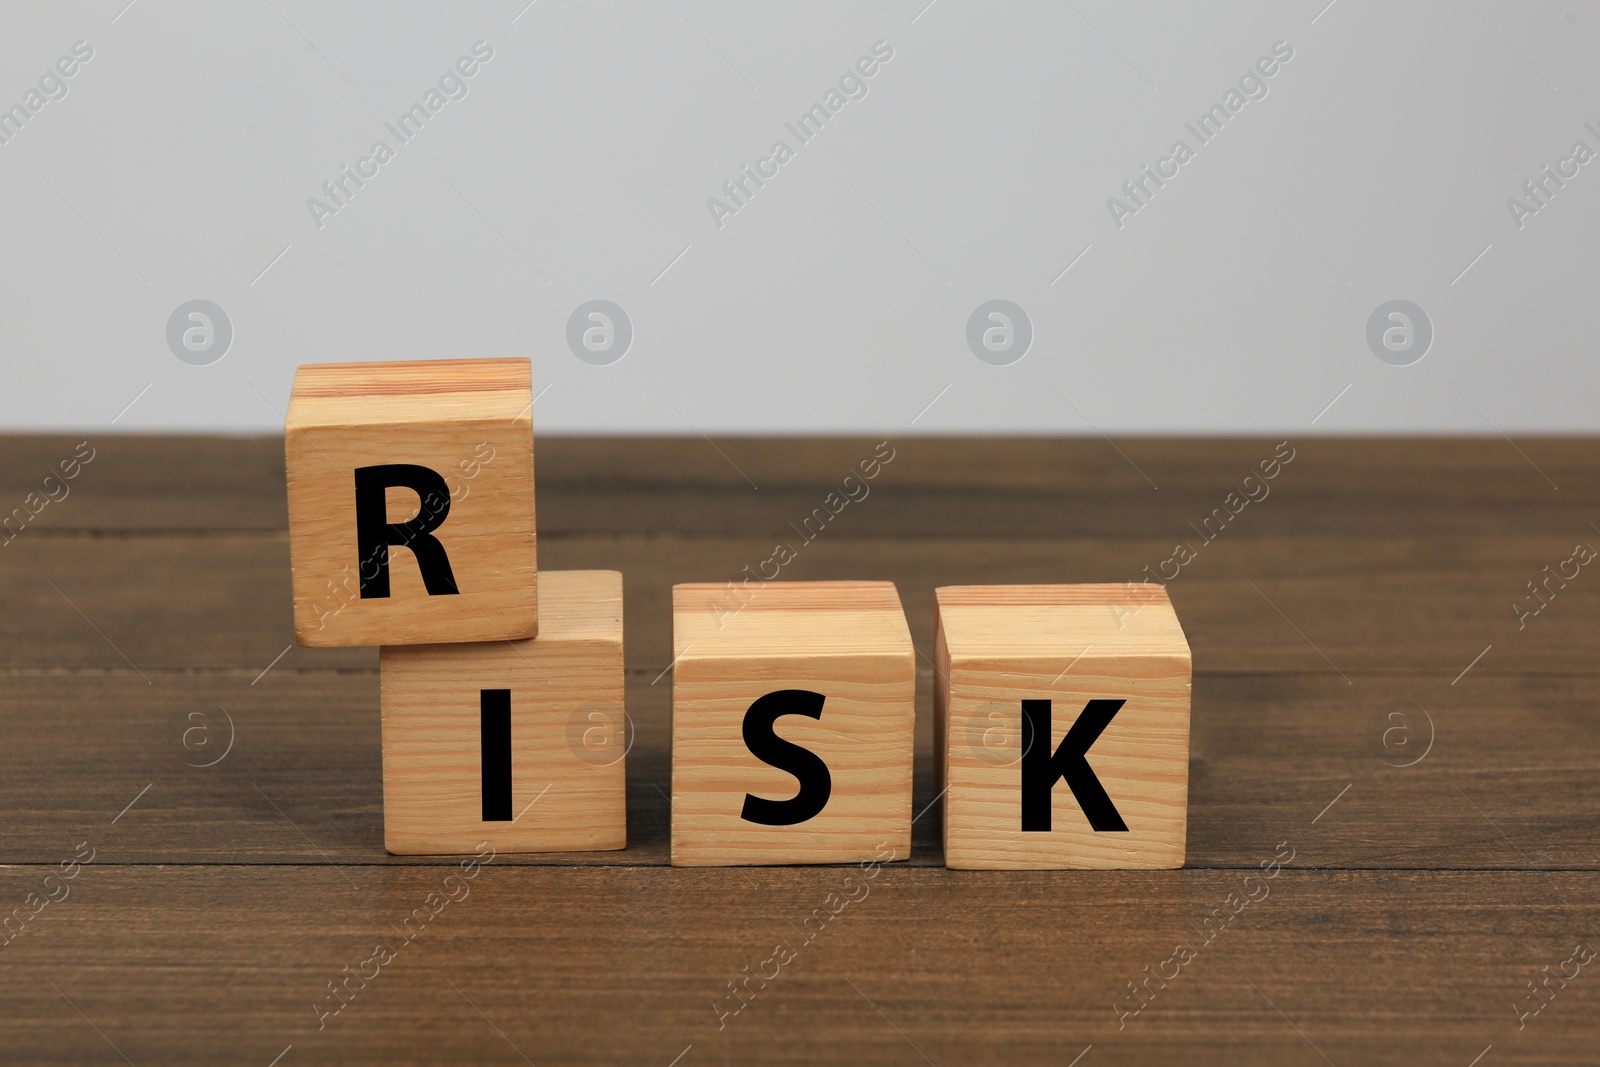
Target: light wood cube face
(411, 515)
(517, 743)
(793, 711)
(1107, 669)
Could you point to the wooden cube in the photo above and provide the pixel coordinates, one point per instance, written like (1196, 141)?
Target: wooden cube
(411, 502)
(793, 707)
(517, 743)
(1061, 726)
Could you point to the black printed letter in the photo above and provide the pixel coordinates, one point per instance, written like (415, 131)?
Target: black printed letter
(1040, 768)
(375, 533)
(494, 747)
(816, 784)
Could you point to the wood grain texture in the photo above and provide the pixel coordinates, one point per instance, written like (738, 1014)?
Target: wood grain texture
(565, 737)
(846, 642)
(1446, 825)
(461, 431)
(212, 964)
(1325, 604)
(997, 647)
(1335, 487)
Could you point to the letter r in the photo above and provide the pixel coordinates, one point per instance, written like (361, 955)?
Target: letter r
(375, 533)
(1041, 768)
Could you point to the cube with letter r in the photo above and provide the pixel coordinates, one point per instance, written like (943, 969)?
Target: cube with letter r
(411, 516)
(1061, 726)
(793, 711)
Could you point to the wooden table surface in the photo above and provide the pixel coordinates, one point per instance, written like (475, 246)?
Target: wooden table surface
(1367, 700)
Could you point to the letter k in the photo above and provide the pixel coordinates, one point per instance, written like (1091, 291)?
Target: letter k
(1041, 768)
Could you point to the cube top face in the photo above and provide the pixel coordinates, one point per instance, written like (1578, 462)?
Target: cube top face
(411, 514)
(820, 679)
(412, 391)
(581, 606)
(1015, 660)
(816, 618)
(549, 774)
(1044, 620)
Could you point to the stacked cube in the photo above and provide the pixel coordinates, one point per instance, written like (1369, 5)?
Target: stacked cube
(1061, 711)
(411, 527)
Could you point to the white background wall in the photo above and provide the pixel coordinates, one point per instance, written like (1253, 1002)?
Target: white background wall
(979, 164)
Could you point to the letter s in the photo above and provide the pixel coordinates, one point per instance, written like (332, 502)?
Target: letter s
(816, 784)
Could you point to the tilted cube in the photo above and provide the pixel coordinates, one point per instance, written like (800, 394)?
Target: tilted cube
(411, 515)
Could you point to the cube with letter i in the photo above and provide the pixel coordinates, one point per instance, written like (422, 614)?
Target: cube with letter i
(411, 515)
(517, 743)
(792, 723)
(1061, 726)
